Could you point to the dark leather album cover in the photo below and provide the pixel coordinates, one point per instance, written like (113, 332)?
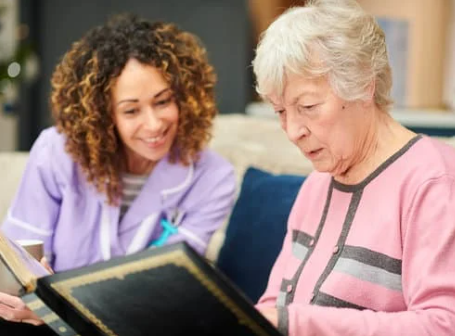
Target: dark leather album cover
(170, 290)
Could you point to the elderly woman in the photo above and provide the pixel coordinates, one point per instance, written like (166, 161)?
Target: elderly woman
(370, 244)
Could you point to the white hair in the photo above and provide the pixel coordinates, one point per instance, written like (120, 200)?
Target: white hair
(333, 38)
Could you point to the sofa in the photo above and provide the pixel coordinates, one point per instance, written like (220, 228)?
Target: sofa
(269, 171)
(246, 142)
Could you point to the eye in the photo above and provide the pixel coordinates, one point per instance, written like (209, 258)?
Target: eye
(307, 107)
(130, 111)
(164, 102)
(280, 112)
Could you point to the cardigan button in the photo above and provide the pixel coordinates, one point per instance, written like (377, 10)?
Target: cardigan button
(289, 288)
(311, 243)
(336, 249)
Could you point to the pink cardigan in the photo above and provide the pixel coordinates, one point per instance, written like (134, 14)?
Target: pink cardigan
(377, 258)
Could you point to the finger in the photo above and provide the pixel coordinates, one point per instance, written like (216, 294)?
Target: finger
(30, 317)
(35, 322)
(19, 315)
(6, 312)
(12, 301)
(46, 265)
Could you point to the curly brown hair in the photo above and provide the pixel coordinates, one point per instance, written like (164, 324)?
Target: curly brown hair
(81, 93)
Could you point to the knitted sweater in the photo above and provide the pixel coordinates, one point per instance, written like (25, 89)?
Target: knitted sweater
(376, 258)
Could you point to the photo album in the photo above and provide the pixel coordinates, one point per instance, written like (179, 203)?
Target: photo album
(169, 290)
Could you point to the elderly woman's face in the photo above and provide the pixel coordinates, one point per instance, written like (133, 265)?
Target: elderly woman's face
(328, 130)
(145, 114)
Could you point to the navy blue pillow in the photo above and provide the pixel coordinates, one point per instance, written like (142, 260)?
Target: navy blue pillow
(256, 229)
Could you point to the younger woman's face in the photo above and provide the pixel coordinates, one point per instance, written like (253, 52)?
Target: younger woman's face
(146, 115)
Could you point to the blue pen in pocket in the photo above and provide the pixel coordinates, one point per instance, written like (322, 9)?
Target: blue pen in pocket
(168, 230)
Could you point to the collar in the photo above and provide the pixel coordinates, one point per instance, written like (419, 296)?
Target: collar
(162, 190)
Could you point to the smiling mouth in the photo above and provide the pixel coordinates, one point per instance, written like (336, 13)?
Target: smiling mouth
(157, 139)
(154, 140)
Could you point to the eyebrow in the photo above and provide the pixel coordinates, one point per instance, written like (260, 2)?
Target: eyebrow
(301, 94)
(133, 100)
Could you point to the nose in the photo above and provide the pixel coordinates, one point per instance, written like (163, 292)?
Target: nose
(151, 121)
(295, 126)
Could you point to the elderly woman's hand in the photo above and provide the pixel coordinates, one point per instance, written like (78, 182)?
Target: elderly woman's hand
(271, 314)
(13, 309)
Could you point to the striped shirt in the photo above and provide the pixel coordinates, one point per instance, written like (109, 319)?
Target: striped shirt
(131, 188)
(376, 258)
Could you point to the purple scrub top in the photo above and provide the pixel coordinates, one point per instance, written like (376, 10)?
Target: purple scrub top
(56, 204)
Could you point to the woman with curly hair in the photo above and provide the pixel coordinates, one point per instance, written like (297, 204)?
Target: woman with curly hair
(126, 163)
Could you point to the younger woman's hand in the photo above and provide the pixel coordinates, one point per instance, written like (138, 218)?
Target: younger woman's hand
(46, 265)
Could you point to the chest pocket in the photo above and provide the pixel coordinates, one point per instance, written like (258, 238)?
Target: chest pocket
(301, 244)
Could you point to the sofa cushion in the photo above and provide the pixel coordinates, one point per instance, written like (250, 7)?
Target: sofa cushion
(12, 166)
(260, 142)
(256, 229)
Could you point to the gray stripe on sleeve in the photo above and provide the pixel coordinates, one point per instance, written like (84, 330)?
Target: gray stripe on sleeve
(326, 300)
(369, 273)
(372, 258)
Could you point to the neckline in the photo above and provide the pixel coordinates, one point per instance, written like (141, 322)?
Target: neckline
(358, 186)
(134, 176)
